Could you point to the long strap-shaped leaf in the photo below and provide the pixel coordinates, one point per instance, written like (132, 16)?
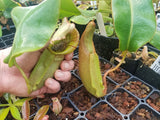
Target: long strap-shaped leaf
(134, 22)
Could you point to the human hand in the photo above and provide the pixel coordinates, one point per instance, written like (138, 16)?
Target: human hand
(11, 80)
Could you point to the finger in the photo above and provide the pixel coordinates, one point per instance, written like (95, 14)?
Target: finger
(69, 56)
(28, 60)
(67, 65)
(62, 75)
(39, 92)
(52, 85)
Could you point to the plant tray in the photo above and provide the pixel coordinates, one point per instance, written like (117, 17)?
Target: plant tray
(127, 98)
(7, 39)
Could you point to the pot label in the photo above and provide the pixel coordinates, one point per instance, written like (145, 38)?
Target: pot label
(154, 5)
(156, 65)
(159, 4)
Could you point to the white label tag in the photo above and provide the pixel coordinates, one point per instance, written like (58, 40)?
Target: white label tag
(156, 65)
(154, 6)
(158, 23)
(158, 4)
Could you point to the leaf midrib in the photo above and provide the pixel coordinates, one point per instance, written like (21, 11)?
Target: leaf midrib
(131, 28)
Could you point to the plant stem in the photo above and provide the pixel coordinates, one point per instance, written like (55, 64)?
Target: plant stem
(113, 69)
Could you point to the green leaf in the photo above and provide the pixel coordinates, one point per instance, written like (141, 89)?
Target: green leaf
(109, 30)
(81, 19)
(134, 21)
(6, 7)
(107, 19)
(85, 17)
(1, 13)
(4, 105)
(3, 113)
(89, 13)
(7, 98)
(105, 9)
(7, 13)
(67, 9)
(21, 101)
(4, 4)
(15, 112)
(103, 5)
(34, 27)
(156, 40)
(108, 1)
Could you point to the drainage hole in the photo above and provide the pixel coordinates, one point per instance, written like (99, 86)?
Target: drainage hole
(142, 101)
(82, 114)
(125, 117)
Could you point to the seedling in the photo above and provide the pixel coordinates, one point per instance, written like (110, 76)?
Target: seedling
(12, 106)
(39, 115)
(57, 107)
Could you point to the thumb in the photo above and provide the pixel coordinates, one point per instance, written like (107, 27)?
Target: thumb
(28, 60)
(39, 93)
(51, 86)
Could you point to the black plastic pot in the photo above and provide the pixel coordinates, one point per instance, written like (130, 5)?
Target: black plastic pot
(146, 73)
(130, 65)
(105, 45)
(142, 71)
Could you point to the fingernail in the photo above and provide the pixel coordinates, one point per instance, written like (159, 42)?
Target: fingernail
(50, 81)
(59, 74)
(51, 84)
(66, 66)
